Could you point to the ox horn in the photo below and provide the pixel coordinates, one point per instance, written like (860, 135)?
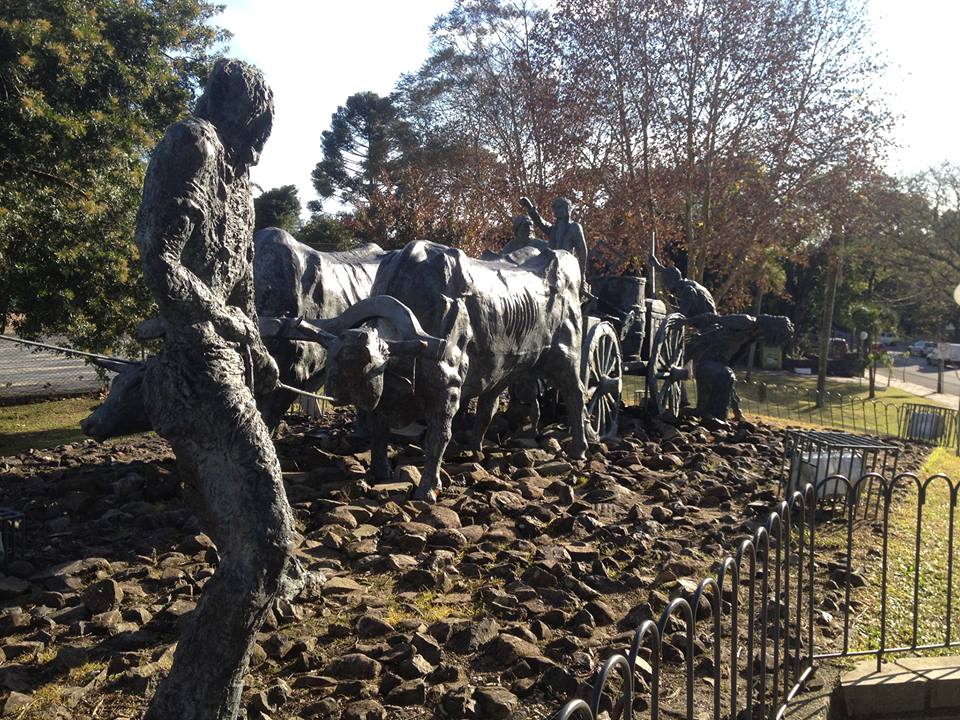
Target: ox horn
(116, 365)
(415, 340)
(294, 329)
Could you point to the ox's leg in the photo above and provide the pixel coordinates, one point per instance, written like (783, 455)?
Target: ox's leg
(486, 408)
(379, 436)
(571, 389)
(439, 424)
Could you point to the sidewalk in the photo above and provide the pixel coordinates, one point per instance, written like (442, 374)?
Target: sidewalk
(949, 401)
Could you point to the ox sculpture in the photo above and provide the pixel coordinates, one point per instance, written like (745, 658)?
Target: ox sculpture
(440, 329)
(290, 279)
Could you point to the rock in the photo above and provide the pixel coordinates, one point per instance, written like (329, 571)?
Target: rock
(370, 626)
(354, 666)
(561, 681)
(408, 693)
(558, 468)
(341, 586)
(21, 649)
(495, 703)
(662, 514)
(449, 538)
(427, 647)
(414, 667)
(15, 704)
(509, 649)
(326, 708)
(439, 517)
(601, 612)
(364, 710)
(474, 636)
(458, 703)
(11, 587)
(507, 502)
(102, 596)
(662, 462)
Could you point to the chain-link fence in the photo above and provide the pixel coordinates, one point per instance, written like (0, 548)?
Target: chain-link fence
(26, 373)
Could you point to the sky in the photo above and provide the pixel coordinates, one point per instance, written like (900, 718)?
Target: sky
(316, 53)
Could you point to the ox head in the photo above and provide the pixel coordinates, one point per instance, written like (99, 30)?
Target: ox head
(123, 412)
(361, 342)
(356, 363)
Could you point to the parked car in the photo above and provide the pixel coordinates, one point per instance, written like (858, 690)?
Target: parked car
(837, 348)
(948, 352)
(921, 348)
(889, 339)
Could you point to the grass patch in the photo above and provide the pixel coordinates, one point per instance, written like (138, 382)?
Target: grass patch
(429, 607)
(904, 580)
(51, 694)
(43, 424)
(792, 397)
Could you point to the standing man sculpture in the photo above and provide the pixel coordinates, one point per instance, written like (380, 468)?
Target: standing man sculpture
(563, 234)
(195, 231)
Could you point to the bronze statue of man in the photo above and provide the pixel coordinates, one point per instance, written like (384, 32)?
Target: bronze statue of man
(691, 297)
(521, 235)
(195, 234)
(713, 348)
(563, 233)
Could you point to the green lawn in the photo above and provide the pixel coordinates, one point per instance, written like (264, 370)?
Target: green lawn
(43, 424)
(932, 578)
(848, 406)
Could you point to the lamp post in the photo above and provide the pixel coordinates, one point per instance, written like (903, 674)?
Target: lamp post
(941, 354)
(871, 366)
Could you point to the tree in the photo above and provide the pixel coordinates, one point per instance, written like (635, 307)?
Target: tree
(88, 88)
(279, 207)
(325, 233)
(367, 140)
(705, 121)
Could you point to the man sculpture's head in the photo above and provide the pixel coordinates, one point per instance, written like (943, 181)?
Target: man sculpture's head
(775, 329)
(521, 228)
(562, 208)
(239, 103)
(671, 278)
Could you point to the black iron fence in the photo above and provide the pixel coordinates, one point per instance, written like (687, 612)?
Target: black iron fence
(929, 424)
(745, 642)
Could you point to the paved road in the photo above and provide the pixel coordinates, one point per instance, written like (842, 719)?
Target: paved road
(25, 373)
(915, 370)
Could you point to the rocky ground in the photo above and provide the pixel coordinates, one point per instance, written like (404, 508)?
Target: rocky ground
(498, 601)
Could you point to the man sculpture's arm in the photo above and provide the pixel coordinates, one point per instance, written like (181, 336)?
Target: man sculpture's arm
(579, 244)
(172, 205)
(265, 369)
(534, 216)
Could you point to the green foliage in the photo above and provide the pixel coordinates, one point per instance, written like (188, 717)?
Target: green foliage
(88, 87)
(326, 233)
(367, 139)
(279, 207)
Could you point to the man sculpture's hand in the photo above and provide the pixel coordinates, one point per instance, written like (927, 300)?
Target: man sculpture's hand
(264, 369)
(231, 323)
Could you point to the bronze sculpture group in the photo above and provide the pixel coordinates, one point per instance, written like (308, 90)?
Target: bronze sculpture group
(405, 335)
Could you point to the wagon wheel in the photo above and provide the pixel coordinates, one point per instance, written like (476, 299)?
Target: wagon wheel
(666, 371)
(602, 373)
